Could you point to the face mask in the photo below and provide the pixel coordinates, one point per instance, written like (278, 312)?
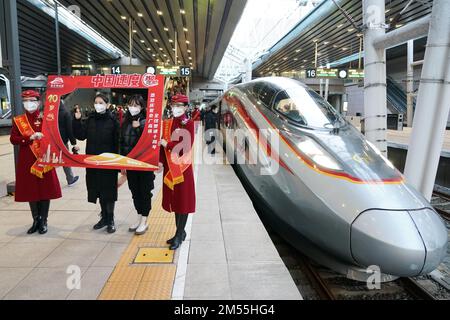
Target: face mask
(31, 106)
(100, 108)
(177, 111)
(134, 111)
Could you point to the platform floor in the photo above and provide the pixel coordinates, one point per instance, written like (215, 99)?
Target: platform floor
(227, 254)
(402, 139)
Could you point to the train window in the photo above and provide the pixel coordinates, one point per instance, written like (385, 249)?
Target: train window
(267, 93)
(306, 107)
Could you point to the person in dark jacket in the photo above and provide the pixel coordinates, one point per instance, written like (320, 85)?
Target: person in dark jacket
(141, 183)
(211, 119)
(66, 131)
(101, 132)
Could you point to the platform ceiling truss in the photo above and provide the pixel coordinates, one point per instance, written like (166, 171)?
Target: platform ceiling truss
(204, 29)
(335, 35)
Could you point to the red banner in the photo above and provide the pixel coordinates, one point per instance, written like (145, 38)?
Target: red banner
(145, 155)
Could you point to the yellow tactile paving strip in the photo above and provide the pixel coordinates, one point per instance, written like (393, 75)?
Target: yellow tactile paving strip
(131, 281)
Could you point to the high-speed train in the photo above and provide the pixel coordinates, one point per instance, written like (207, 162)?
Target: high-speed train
(331, 193)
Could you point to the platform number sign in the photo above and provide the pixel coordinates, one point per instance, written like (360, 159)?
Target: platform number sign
(116, 70)
(185, 71)
(311, 73)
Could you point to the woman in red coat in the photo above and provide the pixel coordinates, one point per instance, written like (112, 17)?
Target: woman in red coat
(176, 156)
(34, 184)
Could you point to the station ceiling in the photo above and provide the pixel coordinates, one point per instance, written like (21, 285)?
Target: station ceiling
(335, 35)
(204, 29)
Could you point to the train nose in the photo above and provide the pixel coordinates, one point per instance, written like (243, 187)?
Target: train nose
(401, 243)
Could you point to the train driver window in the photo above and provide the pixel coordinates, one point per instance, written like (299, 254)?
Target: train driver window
(287, 107)
(267, 93)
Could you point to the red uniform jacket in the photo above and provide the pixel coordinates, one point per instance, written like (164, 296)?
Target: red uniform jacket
(182, 199)
(30, 188)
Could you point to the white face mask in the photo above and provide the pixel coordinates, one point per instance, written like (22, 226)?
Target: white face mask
(100, 108)
(31, 106)
(177, 111)
(134, 111)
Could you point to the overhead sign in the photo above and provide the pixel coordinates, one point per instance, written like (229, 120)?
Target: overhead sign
(144, 156)
(334, 73)
(355, 73)
(116, 69)
(168, 71)
(185, 71)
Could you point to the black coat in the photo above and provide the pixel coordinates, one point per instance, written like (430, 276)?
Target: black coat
(211, 120)
(101, 132)
(65, 126)
(129, 136)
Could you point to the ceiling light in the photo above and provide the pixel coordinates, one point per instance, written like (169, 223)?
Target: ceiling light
(161, 49)
(190, 58)
(187, 41)
(156, 40)
(140, 14)
(123, 18)
(189, 51)
(185, 29)
(159, 12)
(149, 49)
(149, 30)
(182, 11)
(166, 29)
(298, 50)
(170, 40)
(142, 41)
(134, 31)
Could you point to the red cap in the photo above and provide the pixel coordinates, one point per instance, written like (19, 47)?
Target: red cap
(30, 94)
(179, 98)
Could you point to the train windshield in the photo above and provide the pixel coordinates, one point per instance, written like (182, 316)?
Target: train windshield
(305, 107)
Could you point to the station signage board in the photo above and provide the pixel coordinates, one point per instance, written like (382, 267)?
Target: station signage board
(355, 73)
(175, 71)
(334, 73)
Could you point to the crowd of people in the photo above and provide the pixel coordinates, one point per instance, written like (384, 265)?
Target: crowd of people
(107, 130)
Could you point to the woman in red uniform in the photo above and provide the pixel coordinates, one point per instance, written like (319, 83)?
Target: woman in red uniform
(176, 157)
(34, 184)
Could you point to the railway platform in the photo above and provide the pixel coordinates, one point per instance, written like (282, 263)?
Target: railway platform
(227, 254)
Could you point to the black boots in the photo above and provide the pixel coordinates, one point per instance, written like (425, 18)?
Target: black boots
(110, 217)
(39, 211)
(180, 234)
(43, 212)
(107, 217)
(34, 206)
(183, 237)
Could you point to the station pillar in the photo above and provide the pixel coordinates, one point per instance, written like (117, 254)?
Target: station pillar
(375, 97)
(9, 34)
(433, 104)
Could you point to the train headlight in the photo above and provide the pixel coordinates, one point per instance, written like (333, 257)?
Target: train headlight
(318, 155)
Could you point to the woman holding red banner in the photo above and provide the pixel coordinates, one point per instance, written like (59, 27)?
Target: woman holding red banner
(140, 182)
(101, 132)
(176, 156)
(34, 184)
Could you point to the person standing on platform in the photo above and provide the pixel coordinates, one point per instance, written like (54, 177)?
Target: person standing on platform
(101, 132)
(34, 184)
(66, 132)
(211, 119)
(141, 183)
(179, 186)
